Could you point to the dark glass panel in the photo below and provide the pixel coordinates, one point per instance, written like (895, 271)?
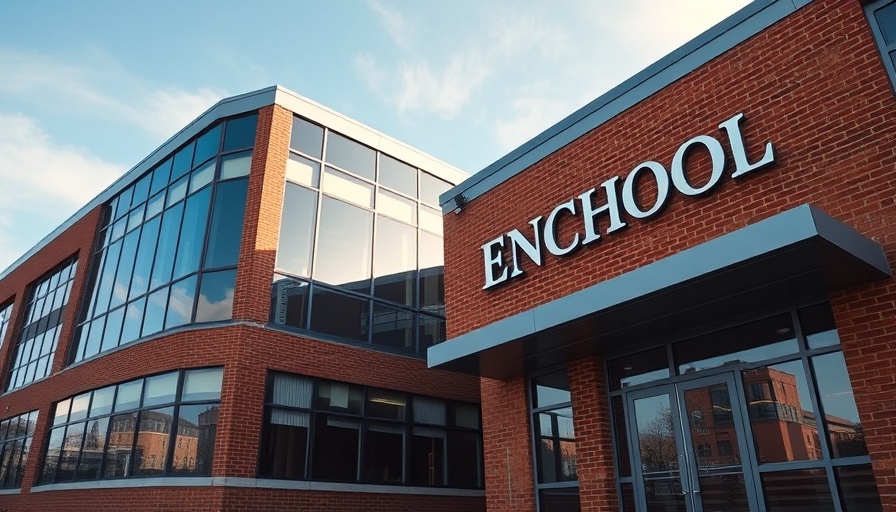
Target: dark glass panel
(393, 327)
(818, 326)
(858, 491)
(839, 405)
(289, 302)
(112, 334)
(197, 428)
(336, 448)
(133, 319)
(628, 497)
(216, 296)
(340, 315)
(432, 331)
(384, 453)
(386, 404)
(464, 415)
(886, 20)
(128, 396)
(202, 385)
(160, 177)
(207, 145)
(339, 397)
(154, 315)
(351, 156)
(167, 247)
(756, 341)
(286, 447)
(92, 452)
(227, 224)
(427, 457)
(192, 234)
(395, 261)
(117, 458)
(797, 491)
(658, 454)
(432, 272)
(107, 278)
(431, 187)
(160, 389)
(551, 389)
(464, 466)
(622, 457)
(151, 446)
(236, 165)
(141, 189)
(398, 175)
(183, 161)
(781, 413)
(240, 133)
(54, 450)
(71, 450)
(563, 499)
(639, 368)
(143, 263)
(297, 230)
(180, 303)
(303, 171)
(306, 137)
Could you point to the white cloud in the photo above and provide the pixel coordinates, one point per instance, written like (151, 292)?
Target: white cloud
(400, 30)
(41, 183)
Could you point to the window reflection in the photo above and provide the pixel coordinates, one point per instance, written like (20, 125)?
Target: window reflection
(351, 156)
(216, 296)
(756, 341)
(835, 393)
(343, 249)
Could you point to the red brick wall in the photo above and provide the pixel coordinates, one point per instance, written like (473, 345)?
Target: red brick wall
(813, 84)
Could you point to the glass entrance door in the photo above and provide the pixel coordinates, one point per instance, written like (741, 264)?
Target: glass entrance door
(687, 445)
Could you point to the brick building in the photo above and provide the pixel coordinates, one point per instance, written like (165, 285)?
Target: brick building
(680, 297)
(240, 323)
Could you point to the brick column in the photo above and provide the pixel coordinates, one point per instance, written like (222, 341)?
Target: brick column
(594, 444)
(509, 480)
(261, 227)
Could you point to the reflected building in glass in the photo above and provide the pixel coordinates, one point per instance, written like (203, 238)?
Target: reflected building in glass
(243, 316)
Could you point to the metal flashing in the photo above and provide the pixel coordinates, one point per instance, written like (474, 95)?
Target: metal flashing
(789, 255)
(737, 28)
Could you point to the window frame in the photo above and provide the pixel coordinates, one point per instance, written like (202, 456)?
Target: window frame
(871, 8)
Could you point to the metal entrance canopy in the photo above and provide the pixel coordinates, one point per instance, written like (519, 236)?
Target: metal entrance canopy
(797, 253)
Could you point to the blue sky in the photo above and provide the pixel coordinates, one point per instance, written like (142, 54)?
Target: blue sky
(89, 88)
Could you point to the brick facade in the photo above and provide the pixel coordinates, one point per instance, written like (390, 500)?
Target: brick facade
(813, 84)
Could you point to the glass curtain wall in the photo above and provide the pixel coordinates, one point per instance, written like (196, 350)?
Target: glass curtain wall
(15, 443)
(5, 318)
(168, 249)
(164, 425)
(360, 251)
(33, 354)
(323, 430)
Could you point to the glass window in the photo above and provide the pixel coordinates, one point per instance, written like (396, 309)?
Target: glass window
(303, 171)
(419, 448)
(16, 434)
(297, 230)
(396, 206)
(32, 356)
(289, 299)
(797, 491)
(149, 239)
(882, 18)
(551, 389)
(393, 327)
(192, 234)
(756, 341)
(225, 234)
(5, 318)
(180, 303)
(398, 175)
(125, 270)
(340, 315)
(840, 413)
(647, 366)
(167, 246)
(431, 220)
(347, 187)
(395, 261)
(216, 296)
(432, 272)
(351, 156)
(239, 133)
(236, 166)
(154, 315)
(432, 331)
(818, 326)
(207, 145)
(202, 177)
(344, 246)
(857, 490)
(161, 176)
(306, 137)
(431, 187)
(183, 161)
(138, 443)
